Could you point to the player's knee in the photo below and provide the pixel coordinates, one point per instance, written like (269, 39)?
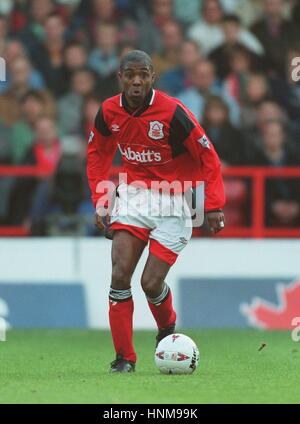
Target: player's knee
(152, 286)
(121, 278)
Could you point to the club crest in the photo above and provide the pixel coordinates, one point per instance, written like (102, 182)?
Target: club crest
(156, 130)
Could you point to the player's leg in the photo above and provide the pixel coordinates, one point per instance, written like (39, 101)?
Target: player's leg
(159, 295)
(167, 239)
(126, 252)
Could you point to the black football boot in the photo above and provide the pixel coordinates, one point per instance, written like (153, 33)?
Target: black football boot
(122, 365)
(164, 332)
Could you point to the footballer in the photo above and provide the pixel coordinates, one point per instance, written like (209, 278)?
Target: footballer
(160, 141)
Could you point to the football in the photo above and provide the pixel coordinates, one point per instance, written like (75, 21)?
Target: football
(177, 354)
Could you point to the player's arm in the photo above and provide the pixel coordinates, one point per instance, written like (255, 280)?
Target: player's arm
(100, 153)
(197, 143)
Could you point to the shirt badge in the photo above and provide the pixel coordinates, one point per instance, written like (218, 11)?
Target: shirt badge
(115, 128)
(204, 142)
(92, 135)
(156, 130)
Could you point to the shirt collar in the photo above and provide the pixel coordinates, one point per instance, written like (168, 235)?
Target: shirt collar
(148, 102)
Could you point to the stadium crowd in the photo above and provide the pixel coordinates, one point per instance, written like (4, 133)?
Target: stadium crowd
(229, 61)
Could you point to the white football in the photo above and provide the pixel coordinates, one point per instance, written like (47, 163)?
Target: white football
(177, 354)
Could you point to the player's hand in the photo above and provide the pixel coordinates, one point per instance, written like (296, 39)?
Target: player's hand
(99, 222)
(100, 216)
(216, 221)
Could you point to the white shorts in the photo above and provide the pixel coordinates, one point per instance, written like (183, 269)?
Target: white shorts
(162, 218)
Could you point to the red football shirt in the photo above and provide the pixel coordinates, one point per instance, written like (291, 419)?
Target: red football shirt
(161, 141)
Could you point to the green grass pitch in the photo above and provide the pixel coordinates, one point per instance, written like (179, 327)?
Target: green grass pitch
(71, 366)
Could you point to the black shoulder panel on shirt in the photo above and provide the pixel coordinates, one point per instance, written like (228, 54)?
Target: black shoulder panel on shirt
(180, 128)
(101, 125)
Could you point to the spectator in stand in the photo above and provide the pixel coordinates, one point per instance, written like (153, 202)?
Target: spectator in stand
(46, 155)
(282, 194)
(241, 66)
(106, 12)
(33, 193)
(103, 58)
(234, 36)
(227, 139)
(18, 16)
(207, 31)
(178, 79)
(151, 24)
(70, 106)
(74, 58)
(229, 144)
(14, 50)
(247, 10)
(46, 150)
(48, 56)
(257, 90)
(33, 105)
(267, 111)
(40, 11)
(33, 33)
(235, 33)
(276, 34)
(20, 70)
(74, 20)
(205, 84)
(171, 40)
(274, 148)
(20, 76)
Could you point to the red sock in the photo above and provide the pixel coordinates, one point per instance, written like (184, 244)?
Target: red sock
(163, 313)
(120, 319)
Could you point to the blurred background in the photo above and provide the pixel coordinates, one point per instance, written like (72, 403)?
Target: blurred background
(231, 62)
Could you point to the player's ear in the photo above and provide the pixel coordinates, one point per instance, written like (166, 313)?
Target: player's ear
(153, 77)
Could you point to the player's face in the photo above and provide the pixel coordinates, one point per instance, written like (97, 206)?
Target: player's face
(136, 81)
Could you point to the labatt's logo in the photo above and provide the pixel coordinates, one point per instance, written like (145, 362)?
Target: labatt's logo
(144, 156)
(264, 314)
